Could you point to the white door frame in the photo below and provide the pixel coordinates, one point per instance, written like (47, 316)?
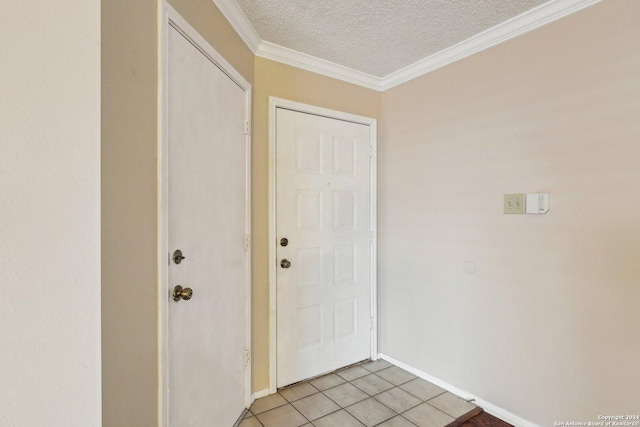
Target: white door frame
(170, 17)
(274, 104)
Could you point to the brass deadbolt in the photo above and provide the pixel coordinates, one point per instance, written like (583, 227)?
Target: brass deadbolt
(177, 256)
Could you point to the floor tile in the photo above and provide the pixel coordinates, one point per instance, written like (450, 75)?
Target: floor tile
(283, 416)
(426, 415)
(315, 406)
(452, 404)
(369, 394)
(327, 381)
(338, 419)
(398, 399)
(370, 412)
(422, 389)
(351, 374)
(346, 394)
(248, 414)
(297, 391)
(372, 384)
(250, 422)
(397, 422)
(376, 365)
(395, 375)
(265, 403)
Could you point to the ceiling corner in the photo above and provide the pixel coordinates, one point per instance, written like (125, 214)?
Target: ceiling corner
(511, 28)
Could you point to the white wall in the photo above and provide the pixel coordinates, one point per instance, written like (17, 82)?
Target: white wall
(50, 213)
(548, 327)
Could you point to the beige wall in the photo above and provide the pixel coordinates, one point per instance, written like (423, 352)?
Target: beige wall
(129, 213)
(50, 213)
(129, 157)
(282, 81)
(534, 114)
(129, 195)
(547, 327)
(205, 17)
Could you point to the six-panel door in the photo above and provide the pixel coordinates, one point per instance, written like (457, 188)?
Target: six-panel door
(324, 211)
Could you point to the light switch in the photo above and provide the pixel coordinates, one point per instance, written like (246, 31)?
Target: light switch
(532, 203)
(514, 203)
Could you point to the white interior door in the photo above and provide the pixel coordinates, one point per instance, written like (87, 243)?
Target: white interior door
(207, 182)
(323, 204)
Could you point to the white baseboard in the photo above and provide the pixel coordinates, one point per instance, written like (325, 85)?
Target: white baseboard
(489, 407)
(260, 393)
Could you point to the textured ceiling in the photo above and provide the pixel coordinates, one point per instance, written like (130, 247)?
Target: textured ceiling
(377, 37)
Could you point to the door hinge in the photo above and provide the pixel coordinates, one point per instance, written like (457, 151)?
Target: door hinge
(247, 357)
(247, 127)
(247, 242)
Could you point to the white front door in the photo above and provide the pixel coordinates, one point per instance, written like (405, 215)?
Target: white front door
(324, 211)
(207, 182)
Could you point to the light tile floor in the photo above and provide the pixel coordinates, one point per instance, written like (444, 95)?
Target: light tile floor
(368, 394)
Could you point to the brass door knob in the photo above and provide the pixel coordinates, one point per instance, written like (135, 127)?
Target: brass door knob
(180, 292)
(285, 263)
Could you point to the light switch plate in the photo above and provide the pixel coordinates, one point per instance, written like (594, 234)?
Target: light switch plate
(514, 203)
(543, 203)
(532, 203)
(537, 203)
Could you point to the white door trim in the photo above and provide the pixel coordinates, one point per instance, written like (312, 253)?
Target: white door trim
(170, 17)
(275, 103)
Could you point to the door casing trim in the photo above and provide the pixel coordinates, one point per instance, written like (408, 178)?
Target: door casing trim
(170, 17)
(274, 104)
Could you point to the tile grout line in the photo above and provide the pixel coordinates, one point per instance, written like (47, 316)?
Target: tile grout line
(377, 394)
(307, 419)
(343, 407)
(399, 415)
(373, 397)
(444, 412)
(367, 395)
(408, 409)
(304, 382)
(327, 414)
(254, 416)
(397, 386)
(354, 403)
(333, 412)
(312, 394)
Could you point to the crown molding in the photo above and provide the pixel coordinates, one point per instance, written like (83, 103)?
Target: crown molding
(518, 25)
(317, 65)
(239, 21)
